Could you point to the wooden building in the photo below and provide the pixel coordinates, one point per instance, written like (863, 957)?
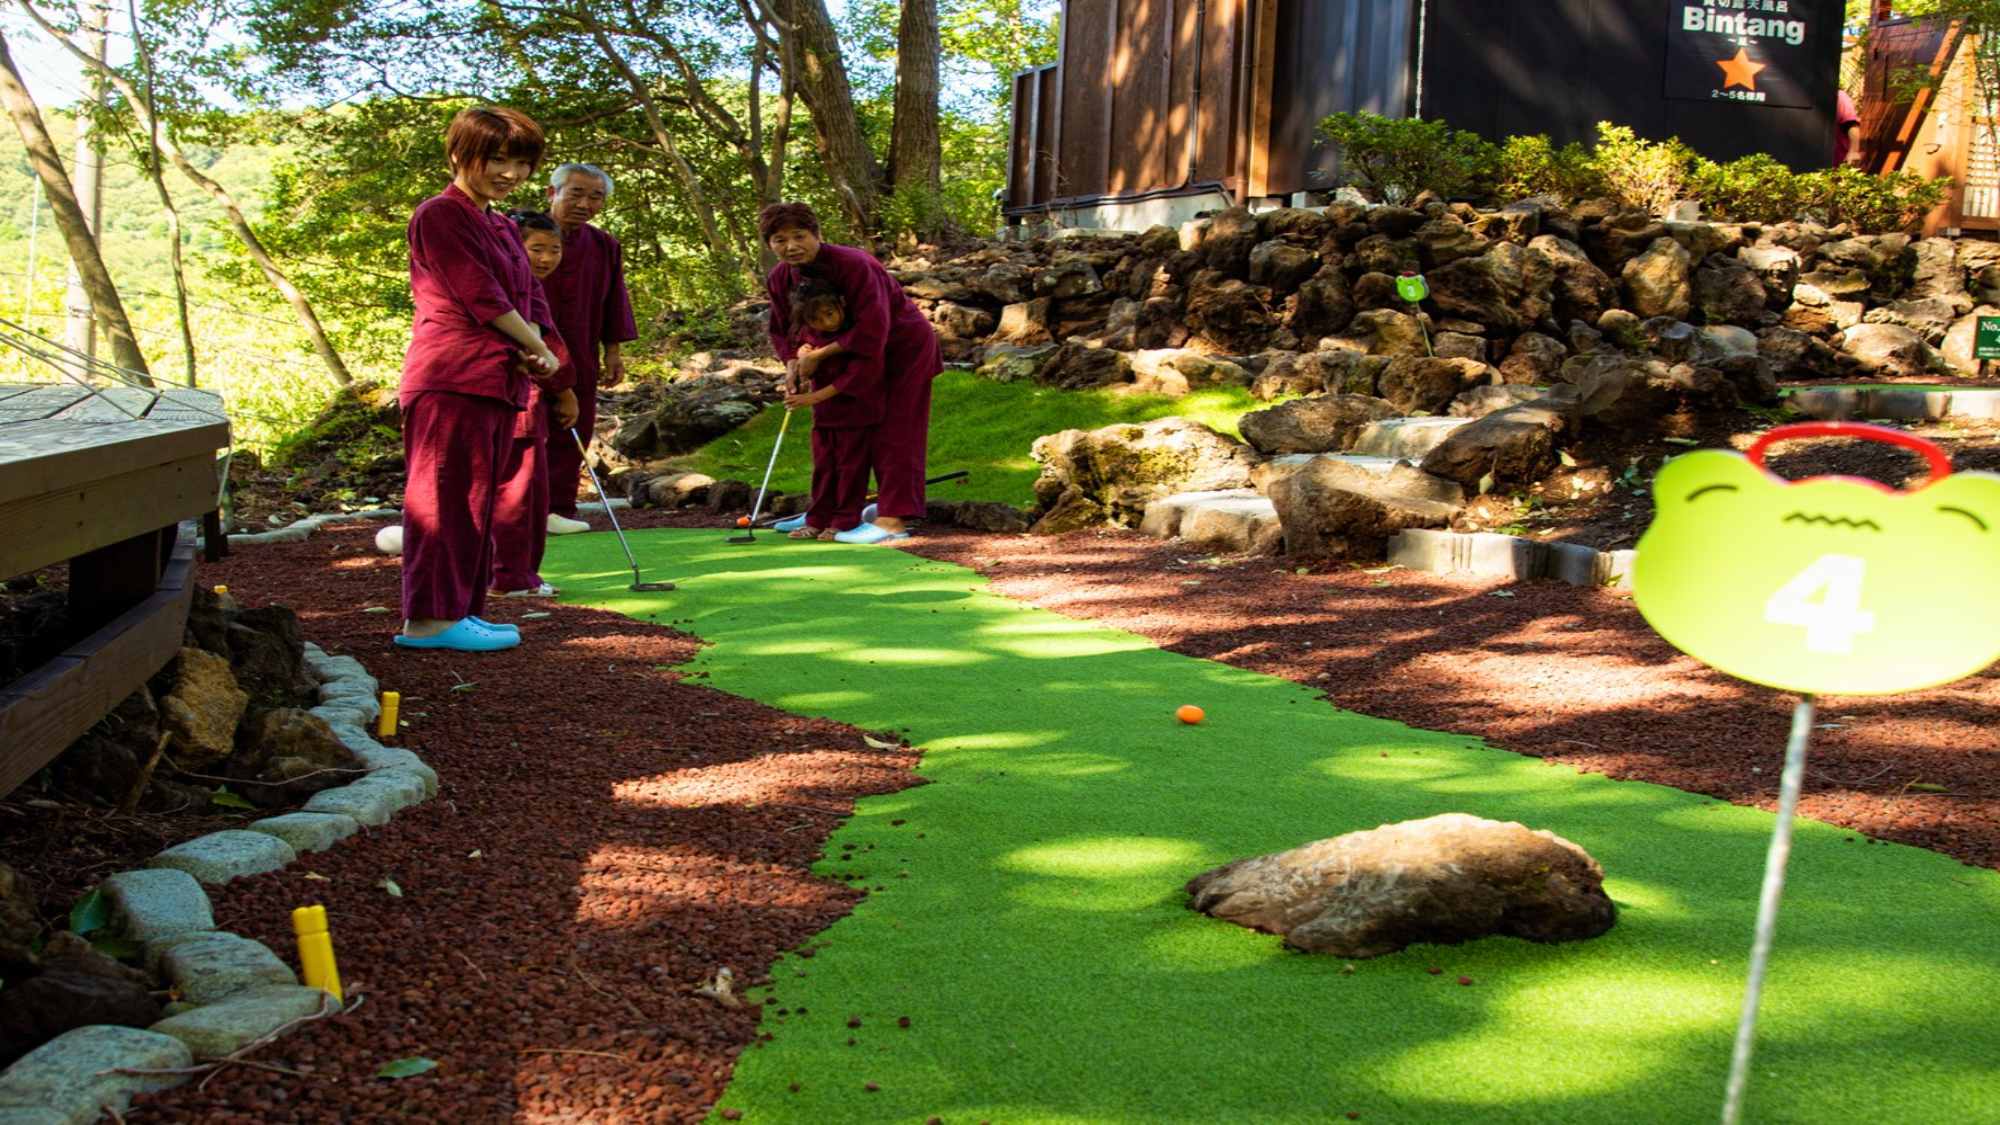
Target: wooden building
(1157, 108)
(1922, 111)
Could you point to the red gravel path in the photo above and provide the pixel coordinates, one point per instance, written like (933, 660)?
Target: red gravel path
(1541, 668)
(607, 835)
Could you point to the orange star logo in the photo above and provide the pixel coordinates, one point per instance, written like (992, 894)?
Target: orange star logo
(1740, 71)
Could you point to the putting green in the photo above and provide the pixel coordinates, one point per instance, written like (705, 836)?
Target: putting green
(1030, 921)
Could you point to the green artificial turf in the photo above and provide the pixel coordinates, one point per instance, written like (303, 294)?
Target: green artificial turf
(1027, 915)
(983, 427)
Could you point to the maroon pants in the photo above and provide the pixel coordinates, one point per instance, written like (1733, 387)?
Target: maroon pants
(840, 477)
(565, 461)
(901, 443)
(454, 448)
(521, 516)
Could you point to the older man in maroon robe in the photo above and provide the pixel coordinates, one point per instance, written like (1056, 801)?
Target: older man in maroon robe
(593, 312)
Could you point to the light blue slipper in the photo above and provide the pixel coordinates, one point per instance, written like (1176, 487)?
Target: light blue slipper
(790, 524)
(496, 627)
(870, 534)
(463, 636)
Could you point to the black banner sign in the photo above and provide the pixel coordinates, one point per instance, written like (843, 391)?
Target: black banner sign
(1756, 52)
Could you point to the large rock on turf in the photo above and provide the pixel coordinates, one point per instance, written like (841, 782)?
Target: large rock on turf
(201, 712)
(1729, 292)
(1026, 322)
(1078, 366)
(1660, 282)
(1581, 290)
(1177, 371)
(1281, 266)
(1324, 306)
(693, 414)
(1958, 342)
(1231, 315)
(1321, 424)
(1443, 880)
(961, 323)
(1422, 385)
(1136, 325)
(1387, 332)
(1888, 349)
(1336, 509)
(1116, 471)
(1328, 371)
(1008, 364)
(1512, 446)
(1507, 289)
(1777, 269)
(1637, 393)
(1795, 355)
(1534, 358)
(73, 986)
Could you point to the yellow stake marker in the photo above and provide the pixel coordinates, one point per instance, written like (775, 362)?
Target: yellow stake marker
(386, 728)
(316, 950)
(222, 591)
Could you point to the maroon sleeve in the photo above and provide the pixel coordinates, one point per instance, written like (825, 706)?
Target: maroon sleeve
(564, 376)
(866, 285)
(538, 310)
(618, 323)
(856, 375)
(445, 243)
(781, 327)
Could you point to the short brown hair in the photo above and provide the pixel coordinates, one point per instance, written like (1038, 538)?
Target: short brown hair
(481, 133)
(782, 216)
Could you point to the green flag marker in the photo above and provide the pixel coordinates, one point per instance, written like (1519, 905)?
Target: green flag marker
(1413, 288)
(1833, 585)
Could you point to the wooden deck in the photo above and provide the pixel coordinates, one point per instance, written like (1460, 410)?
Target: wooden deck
(102, 481)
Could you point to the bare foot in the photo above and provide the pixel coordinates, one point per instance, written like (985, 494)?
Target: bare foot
(805, 533)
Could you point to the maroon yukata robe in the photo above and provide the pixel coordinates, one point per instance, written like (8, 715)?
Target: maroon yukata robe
(843, 436)
(460, 394)
(888, 328)
(592, 308)
(521, 512)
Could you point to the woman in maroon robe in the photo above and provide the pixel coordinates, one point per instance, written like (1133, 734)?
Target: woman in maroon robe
(887, 328)
(479, 312)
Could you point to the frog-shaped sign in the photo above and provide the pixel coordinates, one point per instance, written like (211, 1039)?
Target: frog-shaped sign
(1413, 287)
(1833, 585)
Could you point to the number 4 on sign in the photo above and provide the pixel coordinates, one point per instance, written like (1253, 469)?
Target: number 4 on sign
(1836, 618)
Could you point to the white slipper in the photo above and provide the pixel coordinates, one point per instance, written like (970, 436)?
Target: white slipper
(563, 525)
(542, 591)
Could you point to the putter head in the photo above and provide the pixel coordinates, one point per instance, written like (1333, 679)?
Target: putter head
(654, 587)
(740, 540)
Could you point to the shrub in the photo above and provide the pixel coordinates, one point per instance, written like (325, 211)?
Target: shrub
(1400, 158)
(1897, 201)
(1754, 189)
(1535, 166)
(1640, 174)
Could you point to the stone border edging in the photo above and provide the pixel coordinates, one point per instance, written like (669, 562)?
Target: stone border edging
(1896, 403)
(1491, 555)
(235, 990)
(301, 529)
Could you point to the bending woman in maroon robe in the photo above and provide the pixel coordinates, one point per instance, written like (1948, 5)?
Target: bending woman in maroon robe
(888, 328)
(479, 313)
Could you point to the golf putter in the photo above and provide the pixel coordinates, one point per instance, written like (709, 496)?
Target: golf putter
(961, 476)
(750, 532)
(642, 587)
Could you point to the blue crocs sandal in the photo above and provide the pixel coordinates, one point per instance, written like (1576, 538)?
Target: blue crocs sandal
(868, 533)
(496, 627)
(463, 636)
(790, 524)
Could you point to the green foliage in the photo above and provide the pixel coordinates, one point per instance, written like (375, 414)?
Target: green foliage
(406, 1068)
(1640, 174)
(1755, 189)
(91, 913)
(1897, 201)
(1533, 165)
(1399, 158)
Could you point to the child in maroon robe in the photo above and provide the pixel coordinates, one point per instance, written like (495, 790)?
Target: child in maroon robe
(520, 526)
(847, 403)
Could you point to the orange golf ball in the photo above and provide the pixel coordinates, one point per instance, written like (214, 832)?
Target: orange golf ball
(1190, 714)
(742, 521)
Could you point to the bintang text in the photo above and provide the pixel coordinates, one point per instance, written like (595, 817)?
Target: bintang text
(1742, 25)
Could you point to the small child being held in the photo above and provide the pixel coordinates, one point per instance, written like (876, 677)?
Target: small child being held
(520, 531)
(847, 404)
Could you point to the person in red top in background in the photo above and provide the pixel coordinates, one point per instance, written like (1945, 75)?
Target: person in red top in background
(520, 516)
(1846, 123)
(478, 327)
(847, 406)
(593, 311)
(887, 328)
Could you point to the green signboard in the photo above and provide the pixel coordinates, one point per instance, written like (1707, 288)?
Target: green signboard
(1986, 343)
(1831, 585)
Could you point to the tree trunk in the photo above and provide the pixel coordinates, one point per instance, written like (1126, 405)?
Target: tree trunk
(69, 216)
(915, 151)
(155, 168)
(301, 307)
(87, 174)
(822, 82)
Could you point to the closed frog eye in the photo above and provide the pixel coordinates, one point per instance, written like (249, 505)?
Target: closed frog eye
(1701, 492)
(1948, 509)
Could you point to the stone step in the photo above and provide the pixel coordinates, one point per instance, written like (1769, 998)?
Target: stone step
(1287, 463)
(1237, 521)
(1487, 555)
(1406, 438)
(1900, 403)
